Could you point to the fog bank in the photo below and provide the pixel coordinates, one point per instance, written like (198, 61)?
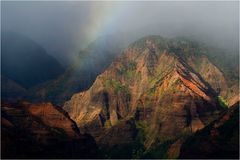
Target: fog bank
(64, 28)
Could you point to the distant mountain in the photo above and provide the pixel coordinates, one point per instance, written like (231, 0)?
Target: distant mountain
(157, 91)
(26, 62)
(89, 63)
(11, 91)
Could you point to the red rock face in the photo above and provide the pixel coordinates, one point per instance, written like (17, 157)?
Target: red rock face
(216, 78)
(41, 131)
(151, 84)
(54, 117)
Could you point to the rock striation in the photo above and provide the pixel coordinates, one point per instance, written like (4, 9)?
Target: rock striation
(42, 131)
(153, 84)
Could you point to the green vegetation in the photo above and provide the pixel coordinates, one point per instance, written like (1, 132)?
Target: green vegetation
(223, 102)
(159, 152)
(108, 83)
(136, 149)
(148, 102)
(107, 124)
(141, 44)
(129, 70)
(149, 98)
(169, 91)
(117, 86)
(132, 65)
(133, 150)
(152, 92)
(178, 81)
(142, 127)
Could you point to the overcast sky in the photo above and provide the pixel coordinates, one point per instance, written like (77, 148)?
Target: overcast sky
(63, 28)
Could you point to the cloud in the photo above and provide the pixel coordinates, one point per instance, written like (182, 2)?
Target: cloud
(64, 28)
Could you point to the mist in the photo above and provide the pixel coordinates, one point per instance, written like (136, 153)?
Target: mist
(64, 28)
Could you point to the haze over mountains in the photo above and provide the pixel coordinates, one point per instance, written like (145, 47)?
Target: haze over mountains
(65, 28)
(89, 63)
(26, 62)
(120, 80)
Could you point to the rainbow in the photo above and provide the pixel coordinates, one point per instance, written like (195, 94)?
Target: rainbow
(103, 16)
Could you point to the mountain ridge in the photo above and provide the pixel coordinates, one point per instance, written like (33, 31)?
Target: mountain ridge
(145, 102)
(42, 130)
(139, 85)
(25, 62)
(89, 63)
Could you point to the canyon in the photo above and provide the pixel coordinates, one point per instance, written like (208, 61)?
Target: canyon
(151, 100)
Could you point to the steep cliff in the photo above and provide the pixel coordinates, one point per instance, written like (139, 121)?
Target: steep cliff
(42, 131)
(220, 139)
(153, 85)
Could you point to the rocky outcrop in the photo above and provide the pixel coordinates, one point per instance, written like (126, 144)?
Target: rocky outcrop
(125, 129)
(53, 117)
(220, 139)
(153, 83)
(42, 131)
(233, 94)
(210, 73)
(227, 89)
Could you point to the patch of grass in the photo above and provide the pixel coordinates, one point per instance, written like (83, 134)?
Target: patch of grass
(117, 86)
(223, 102)
(129, 70)
(152, 92)
(107, 124)
(142, 127)
(134, 150)
(108, 83)
(132, 65)
(148, 102)
(178, 81)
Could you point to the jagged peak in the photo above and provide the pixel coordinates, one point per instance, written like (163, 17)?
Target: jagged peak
(179, 46)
